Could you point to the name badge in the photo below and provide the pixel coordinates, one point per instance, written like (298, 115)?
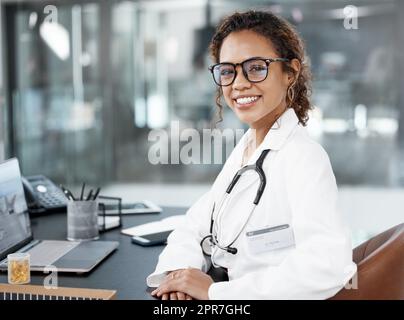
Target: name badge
(272, 238)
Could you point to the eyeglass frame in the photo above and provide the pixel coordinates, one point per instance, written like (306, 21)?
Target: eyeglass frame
(267, 61)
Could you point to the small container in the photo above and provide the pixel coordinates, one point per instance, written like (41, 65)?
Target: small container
(82, 220)
(19, 268)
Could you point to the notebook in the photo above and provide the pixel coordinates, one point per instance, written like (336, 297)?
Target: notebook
(166, 224)
(29, 292)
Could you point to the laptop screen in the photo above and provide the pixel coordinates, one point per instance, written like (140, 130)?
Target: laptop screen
(14, 219)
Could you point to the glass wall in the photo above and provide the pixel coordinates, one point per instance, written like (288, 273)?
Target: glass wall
(3, 114)
(89, 89)
(57, 96)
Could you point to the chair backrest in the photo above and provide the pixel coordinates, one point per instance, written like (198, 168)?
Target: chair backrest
(380, 262)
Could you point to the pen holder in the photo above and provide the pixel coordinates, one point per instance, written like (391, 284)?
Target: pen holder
(82, 220)
(103, 217)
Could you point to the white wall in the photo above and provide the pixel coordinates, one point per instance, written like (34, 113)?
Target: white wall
(369, 211)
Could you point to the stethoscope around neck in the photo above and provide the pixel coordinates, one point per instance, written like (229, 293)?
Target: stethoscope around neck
(209, 242)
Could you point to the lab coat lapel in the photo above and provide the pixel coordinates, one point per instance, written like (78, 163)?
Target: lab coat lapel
(274, 140)
(234, 164)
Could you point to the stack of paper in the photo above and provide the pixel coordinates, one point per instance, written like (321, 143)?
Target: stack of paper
(166, 224)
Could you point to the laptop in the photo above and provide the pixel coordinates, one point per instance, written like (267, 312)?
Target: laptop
(16, 234)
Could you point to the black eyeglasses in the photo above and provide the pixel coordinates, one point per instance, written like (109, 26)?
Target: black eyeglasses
(254, 70)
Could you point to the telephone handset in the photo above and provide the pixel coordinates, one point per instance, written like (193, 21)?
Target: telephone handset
(42, 195)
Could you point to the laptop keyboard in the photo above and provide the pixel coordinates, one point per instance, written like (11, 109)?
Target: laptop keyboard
(47, 252)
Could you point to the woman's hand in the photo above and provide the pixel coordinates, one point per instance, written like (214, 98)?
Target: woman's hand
(175, 296)
(192, 282)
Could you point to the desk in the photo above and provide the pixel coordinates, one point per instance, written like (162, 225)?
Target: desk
(125, 270)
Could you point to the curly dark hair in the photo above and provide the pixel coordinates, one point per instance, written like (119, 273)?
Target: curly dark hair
(286, 42)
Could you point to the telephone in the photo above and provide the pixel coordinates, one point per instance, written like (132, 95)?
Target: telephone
(42, 195)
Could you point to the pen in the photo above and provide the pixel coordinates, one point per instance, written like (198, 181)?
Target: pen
(89, 195)
(68, 193)
(65, 192)
(96, 193)
(71, 194)
(82, 191)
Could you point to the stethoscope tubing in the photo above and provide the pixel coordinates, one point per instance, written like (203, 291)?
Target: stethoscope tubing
(214, 224)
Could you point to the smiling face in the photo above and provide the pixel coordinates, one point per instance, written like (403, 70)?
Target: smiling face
(256, 104)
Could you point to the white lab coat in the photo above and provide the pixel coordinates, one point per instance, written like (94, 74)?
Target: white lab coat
(301, 191)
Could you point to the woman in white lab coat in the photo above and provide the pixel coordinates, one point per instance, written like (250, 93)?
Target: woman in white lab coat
(293, 245)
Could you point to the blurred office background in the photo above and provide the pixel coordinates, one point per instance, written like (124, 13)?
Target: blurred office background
(83, 83)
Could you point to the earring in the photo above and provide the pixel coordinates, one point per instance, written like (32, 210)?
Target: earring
(291, 94)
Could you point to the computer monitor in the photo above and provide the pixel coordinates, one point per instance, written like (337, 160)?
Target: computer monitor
(15, 229)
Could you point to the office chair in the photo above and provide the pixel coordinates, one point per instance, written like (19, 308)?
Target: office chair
(380, 262)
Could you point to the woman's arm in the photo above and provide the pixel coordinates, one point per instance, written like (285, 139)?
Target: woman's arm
(183, 245)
